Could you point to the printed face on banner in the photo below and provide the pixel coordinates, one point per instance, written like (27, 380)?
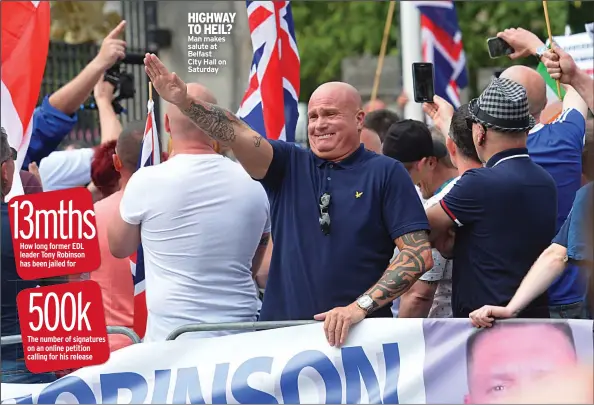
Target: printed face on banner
(511, 355)
(390, 361)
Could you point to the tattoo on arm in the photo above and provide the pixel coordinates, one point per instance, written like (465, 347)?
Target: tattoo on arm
(215, 121)
(264, 240)
(401, 274)
(257, 140)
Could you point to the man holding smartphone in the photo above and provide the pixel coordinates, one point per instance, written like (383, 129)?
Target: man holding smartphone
(557, 147)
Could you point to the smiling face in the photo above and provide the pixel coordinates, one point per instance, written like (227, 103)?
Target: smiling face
(335, 120)
(511, 357)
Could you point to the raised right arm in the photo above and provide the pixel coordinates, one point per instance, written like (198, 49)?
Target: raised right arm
(251, 150)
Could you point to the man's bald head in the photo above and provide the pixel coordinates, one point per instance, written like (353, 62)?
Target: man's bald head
(335, 120)
(371, 140)
(342, 92)
(129, 144)
(534, 84)
(177, 123)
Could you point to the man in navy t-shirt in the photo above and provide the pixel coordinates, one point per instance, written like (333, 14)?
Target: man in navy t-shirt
(337, 210)
(505, 212)
(557, 147)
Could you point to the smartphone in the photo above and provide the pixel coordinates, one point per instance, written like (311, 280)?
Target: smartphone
(498, 47)
(423, 82)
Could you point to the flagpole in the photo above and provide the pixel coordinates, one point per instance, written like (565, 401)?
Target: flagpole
(380, 60)
(150, 89)
(410, 38)
(548, 21)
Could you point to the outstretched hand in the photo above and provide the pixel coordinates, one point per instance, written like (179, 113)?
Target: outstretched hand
(524, 42)
(113, 47)
(484, 317)
(441, 112)
(169, 86)
(338, 321)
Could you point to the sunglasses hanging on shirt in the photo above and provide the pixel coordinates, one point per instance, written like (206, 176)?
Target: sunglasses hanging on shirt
(324, 213)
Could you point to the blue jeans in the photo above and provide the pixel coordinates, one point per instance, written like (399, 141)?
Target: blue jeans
(577, 310)
(15, 372)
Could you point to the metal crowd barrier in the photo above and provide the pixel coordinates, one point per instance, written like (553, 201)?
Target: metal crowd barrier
(111, 330)
(236, 326)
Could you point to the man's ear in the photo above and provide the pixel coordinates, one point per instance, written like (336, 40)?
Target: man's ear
(451, 147)
(426, 162)
(167, 126)
(5, 173)
(6, 180)
(360, 119)
(117, 163)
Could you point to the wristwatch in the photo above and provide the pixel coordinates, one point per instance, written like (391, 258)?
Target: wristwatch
(540, 51)
(365, 302)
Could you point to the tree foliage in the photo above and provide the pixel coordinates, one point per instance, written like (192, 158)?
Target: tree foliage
(329, 31)
(77, 22)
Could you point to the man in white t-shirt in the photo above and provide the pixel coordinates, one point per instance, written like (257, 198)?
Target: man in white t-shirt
(204, 226)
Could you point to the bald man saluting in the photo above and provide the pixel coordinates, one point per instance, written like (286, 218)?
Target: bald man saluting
(337, 209)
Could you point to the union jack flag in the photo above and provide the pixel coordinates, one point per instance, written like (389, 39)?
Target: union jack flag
(441, 41)
(150, 154)
(270, 104)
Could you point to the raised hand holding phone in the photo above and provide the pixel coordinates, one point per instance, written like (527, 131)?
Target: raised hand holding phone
(423, 82)
(498, 48)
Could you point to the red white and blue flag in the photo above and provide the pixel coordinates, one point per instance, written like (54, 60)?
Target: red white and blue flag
(25, 37)
(270, 104)
(150, 154)
(442, 45)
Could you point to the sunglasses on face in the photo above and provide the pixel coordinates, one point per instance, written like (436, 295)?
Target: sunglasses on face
(324, 213)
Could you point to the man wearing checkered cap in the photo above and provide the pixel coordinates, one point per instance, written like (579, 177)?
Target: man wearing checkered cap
(505, 213)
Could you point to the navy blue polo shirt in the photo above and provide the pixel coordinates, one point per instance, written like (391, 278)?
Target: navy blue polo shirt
(506, 214)
(373, 202)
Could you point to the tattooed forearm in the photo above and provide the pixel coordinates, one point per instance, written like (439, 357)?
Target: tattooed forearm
(216, 122)
(413, 260)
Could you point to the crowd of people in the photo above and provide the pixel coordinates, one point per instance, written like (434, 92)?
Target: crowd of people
(479, 215)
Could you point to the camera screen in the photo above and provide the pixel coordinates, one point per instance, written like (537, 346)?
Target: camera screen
(498, 47)
(423, 82)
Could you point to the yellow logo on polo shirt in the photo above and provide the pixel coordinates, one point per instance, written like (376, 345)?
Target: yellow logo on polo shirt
(358, 194)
